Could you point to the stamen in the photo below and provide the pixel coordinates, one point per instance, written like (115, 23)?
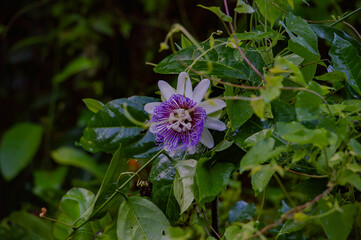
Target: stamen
(178, 123)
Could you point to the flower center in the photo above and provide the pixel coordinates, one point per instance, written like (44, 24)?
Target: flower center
(180, 120)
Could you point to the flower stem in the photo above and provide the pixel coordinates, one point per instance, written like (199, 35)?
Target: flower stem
(118, 190)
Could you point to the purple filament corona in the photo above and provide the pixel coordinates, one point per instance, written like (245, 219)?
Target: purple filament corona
(178, 123)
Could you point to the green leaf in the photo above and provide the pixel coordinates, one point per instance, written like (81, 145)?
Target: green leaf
(337, 225)
(345, 59)
(242, 211)
(211, 179)
(18, 146)
(328, 33)
(257, 137)
(110, 127)
(110, 183)
(218, 12)
(269, 11)
(48, 183)
(183, 183)
(36, 226)
(291, 70)
(291, 3)
(252, 126)
(283, 112)
(308, 104)
(260, 153)
(93, 105)
(238, 111)
(219, 62)
(243, 7)
(297, 133)
(303, 42)
(78, 65)
(355, 146)
(291, 226)
(73, 204)
(258, 35)
(33, 40)
(273, 88)
(347, 176)
(77, 158)
(139, 218)
(235, 232)
(162, 176)
(258, 107)
(261, 178)
(223, 145)
(185, 42)
(334, 76)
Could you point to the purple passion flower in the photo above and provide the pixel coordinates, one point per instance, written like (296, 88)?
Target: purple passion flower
(180, 122)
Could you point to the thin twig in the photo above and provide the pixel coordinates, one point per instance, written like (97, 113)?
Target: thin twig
(239, 49)
(307, 175)
(352, 27)
(292, 211)
(205, 227)
(210, 225)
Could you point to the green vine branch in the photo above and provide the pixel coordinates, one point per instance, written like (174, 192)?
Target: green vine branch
(116, 192)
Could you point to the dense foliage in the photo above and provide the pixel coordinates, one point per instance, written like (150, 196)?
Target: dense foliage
(287, 166)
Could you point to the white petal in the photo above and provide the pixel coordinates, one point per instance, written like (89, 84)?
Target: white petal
(166, 90)
(212, 105)
(207, 138)
(184, 85)
(201, 90)
(214, 123)
(149, 107)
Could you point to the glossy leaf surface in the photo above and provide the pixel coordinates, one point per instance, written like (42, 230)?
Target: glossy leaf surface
(110, 127)
(346, 59)
(218, 62)
(242, 211)
(162, 177)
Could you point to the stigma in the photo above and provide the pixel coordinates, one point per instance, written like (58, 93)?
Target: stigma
(180, 120)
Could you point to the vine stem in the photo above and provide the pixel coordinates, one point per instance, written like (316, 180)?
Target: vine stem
(292, 211)
(346, 16)
(210, 225)
(215, 217)
(239, 49)
(117, 191)
(307, 175)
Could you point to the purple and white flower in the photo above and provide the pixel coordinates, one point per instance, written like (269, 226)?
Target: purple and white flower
(181, 121)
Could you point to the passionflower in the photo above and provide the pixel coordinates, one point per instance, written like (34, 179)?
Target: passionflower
(181, 121)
